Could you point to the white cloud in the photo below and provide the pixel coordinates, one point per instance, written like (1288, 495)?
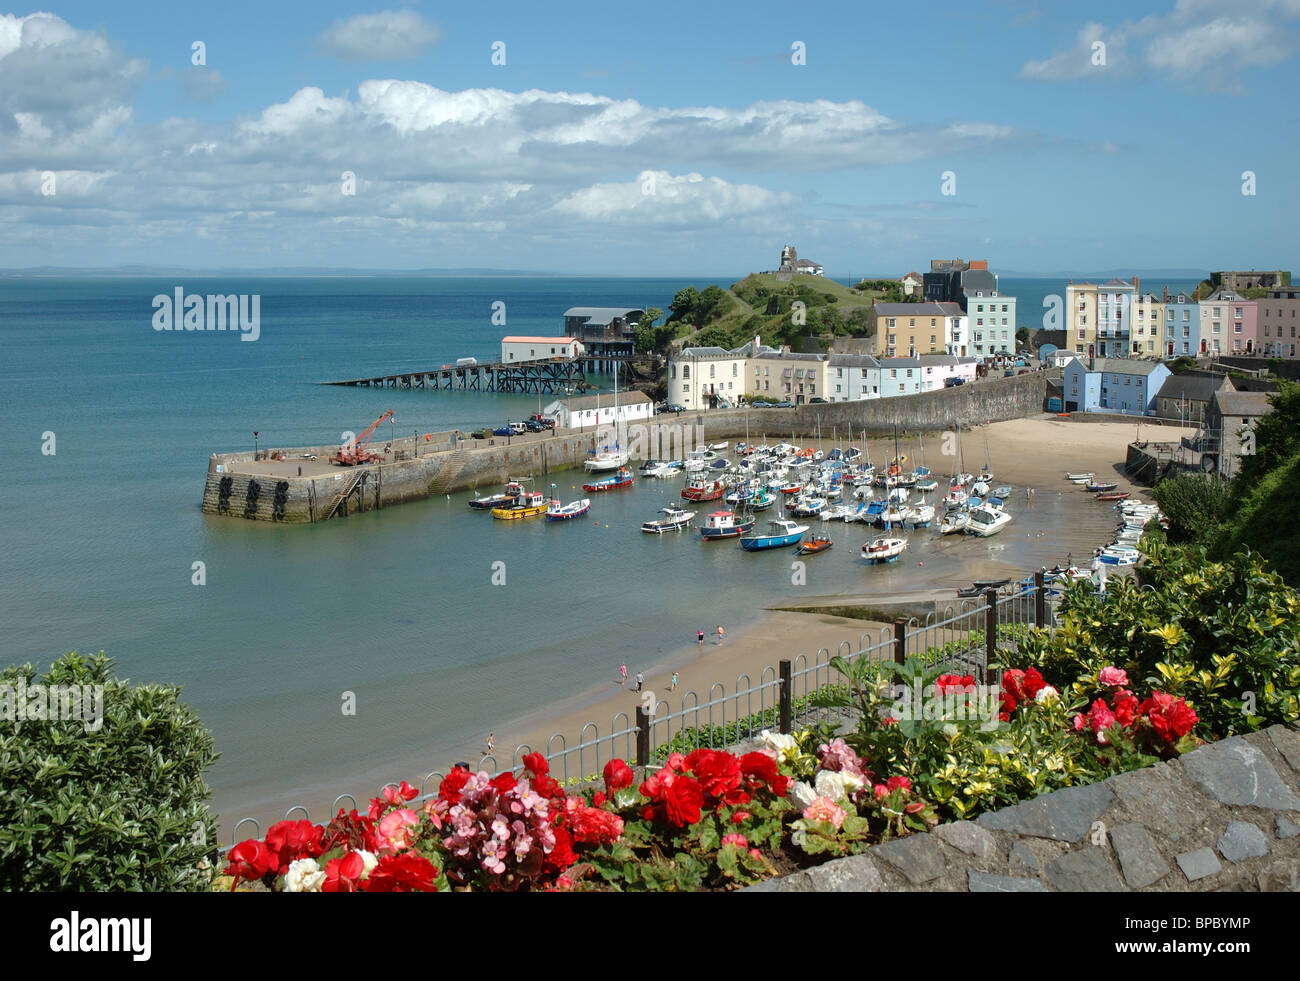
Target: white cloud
(386, 36)
(659, 198)
(1205, 42)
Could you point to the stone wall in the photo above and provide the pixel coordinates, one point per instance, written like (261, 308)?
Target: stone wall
(1223, 817)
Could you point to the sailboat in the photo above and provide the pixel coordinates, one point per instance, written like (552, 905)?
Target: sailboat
(608, 459)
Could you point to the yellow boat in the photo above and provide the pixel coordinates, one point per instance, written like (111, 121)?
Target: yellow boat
(530, 505)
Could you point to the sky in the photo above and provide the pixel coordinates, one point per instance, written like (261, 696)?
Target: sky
(665, 139)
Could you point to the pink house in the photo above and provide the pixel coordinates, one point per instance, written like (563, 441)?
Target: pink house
(1243, 325)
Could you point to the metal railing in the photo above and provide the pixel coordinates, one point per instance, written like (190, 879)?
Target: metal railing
(967, 638)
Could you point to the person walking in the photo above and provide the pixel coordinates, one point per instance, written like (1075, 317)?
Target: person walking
(701, 640)
(672, 684)
(721, 633)
(491, 743)
(639, 680)
(622, 675)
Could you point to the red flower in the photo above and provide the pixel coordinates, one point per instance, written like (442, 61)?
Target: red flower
(617, 775)
(452, 784)
(718, 773)
(760, 770)
(1127, 708)
(562, 855)
(1020, 686)
(957, 684)
(350, 830)
(740, 817)
(1100, 718)
(344, 874)
(504, 782)
(291, 840)
(591, 825)
(536, 762)
(407, 872)
(251, 860)
(598, 799)
(1033, 684)
(1172, 718)
(893, 783)
(676, 795)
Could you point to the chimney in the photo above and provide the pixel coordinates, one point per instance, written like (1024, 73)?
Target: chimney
(1071, 282)
(1137, 286)
(1166, 294)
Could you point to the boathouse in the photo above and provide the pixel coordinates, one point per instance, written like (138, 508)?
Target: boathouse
(527, 348)
(600, 410)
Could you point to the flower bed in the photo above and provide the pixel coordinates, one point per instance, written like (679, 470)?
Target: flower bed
(1072, 707)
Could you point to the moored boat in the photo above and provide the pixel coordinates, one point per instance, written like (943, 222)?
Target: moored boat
(1112, 496)
(1093, 488)
(814, 545)
(1080, 478)
(987, 519)
(621, 479)
(606, 459)
(529, 505)
(559, 511)
(508, 497)
(724, 524)
(702, 488)
(784, 533)
(954, 522)
(884, 549)
(675, 519)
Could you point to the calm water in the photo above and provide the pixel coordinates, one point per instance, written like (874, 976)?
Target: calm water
(396, 606)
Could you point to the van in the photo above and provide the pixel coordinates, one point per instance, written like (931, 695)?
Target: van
(466, 362)
(518, 428)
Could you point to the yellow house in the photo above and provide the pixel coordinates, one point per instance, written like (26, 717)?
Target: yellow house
(1081, 317)
(1149, 340)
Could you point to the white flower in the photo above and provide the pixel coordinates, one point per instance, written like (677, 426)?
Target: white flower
(852, 782)
(369, 862)
(1047, 694)
(304, 876)
(949, 730)
(778, 742)
(802, 794)
(830, 784)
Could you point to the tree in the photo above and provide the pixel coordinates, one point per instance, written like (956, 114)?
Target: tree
(115, 804)
(1022, 336)
(685, 302)
(1276, 437)
(644, 335)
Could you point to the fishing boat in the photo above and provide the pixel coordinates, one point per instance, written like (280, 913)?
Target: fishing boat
(1112, 496)
(884, 549)
(784, 533)
(511, 494)
(529, 505)
(675, 519)
(725, 524)
(987, 519)
(1004, 491)
(763, 499)
(1093, 488)
(954, 522)
(814, 545)
(703, 488)
(919, 516)
(807, 507)
(621, 479)
(606, 459)
(559, 511)
(789, 487)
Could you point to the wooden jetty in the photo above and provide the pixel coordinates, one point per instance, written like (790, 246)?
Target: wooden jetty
(552, 376)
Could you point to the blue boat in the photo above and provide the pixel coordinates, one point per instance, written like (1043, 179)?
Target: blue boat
(784, 533)
(724, 524)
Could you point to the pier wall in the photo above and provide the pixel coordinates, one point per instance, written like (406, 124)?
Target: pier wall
(447, 464)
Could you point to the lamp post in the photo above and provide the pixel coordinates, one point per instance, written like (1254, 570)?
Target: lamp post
(254, 445)
(415, 440)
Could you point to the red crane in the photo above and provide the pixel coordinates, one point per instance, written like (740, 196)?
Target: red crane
(353, 453)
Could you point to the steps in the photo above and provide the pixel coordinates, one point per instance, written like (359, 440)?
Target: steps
(349, 485)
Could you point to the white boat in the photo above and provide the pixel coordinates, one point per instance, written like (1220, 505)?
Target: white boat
(919, 516)
(559, 511)
(955, 498)
(840, 512)
(884, 549)
(1004, 491)
(663, 472)
(807, 507)
(986, 520)
(1080, 478)
(927, 485)
(981, 488)
(954, 522)
(675, 520)
(606, 459)
(718, 446)
(1118, 555)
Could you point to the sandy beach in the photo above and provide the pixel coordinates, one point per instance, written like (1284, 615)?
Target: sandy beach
(1028, 453)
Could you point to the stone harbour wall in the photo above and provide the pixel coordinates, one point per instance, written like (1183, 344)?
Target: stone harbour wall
(1223, 817)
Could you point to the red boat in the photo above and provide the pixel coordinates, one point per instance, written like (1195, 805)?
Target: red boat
(1113, 496)
(621, 479)
(703, 489)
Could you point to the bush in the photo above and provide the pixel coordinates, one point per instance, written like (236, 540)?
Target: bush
(114, 806)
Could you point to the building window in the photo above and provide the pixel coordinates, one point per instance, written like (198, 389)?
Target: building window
(712, 370)
(686, 371)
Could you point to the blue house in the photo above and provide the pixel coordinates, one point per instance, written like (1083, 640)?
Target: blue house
(1124, 385)
(1182, 326)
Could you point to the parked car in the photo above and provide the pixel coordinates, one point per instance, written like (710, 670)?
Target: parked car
(544, 422)
(672, 407)
(817, 401)
(953, 382)
(534, 426)
(481, 433)
(503, 431)
(518, 428)
(761, 405)
(1023, 371)
(787, 404)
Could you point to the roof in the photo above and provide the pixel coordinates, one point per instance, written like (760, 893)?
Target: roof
(938, 359)
(1242, 403)
(1119, 366)
(1225, 296)
(601, 315)
(931, 309)
(913, 275)
(1193, 388)
(704, 352)
(605, 401)
(792, 356)
(900, 363)
(853, 361)
(529, 339)
(1118, 283)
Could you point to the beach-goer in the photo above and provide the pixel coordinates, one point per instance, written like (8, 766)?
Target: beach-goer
(639, 680)
(622, 674)
(701, 640)
(721, 633)
(672, 684)
(491, 743)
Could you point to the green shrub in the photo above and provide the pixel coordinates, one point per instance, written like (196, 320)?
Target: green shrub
(118, 806)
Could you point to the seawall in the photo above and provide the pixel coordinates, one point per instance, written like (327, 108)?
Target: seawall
(273, 490)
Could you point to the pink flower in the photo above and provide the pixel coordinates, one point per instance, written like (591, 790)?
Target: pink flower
(1114, 676)
(895, 782)
(880, 790)
(399, 827)
(738, 840)
(824, 809)
(1100, 718)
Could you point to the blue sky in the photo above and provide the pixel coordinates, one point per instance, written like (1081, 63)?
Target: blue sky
(665, 139)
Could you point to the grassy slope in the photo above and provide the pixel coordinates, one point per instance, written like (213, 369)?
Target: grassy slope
(1264, 522)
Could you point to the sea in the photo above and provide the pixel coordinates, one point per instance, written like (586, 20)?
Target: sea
(108, 425)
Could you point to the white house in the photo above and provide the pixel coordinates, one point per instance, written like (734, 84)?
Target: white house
(852, 377)
(936, 369)
(707, 377)
(900, 376)
(526, 348)
(591, 411)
